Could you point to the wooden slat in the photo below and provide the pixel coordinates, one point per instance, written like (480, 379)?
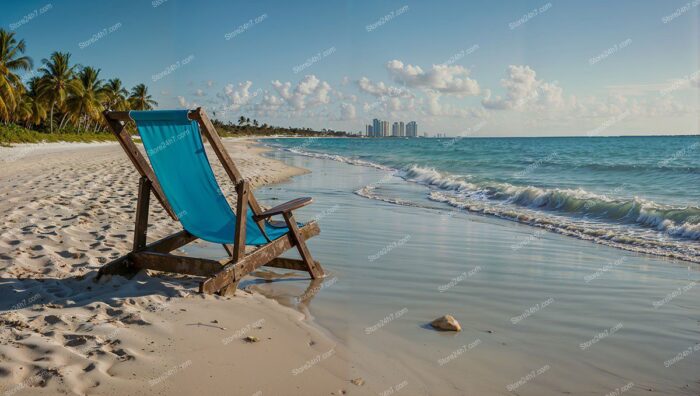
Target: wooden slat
(299, 240)
(120, 266)
(234, 271)
(123, 265)
(178, 264)
(141, 227)
(118, 116)
(170, 243)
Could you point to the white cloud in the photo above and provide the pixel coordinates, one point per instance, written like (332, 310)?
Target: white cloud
(237, 96)
(521, 86)
(448, 79)
(435, 108)
(269, 105)
(551, 95)
(380, 89)
(543, 105)
(310, 91)
(183, 103)
(347, 111)
(525, 92)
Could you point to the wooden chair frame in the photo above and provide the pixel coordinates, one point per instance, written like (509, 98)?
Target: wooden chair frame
(223, 275)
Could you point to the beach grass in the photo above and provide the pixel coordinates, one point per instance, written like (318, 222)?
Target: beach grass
(14, 134)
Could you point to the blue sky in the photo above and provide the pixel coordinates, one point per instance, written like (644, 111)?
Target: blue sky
(488, 68)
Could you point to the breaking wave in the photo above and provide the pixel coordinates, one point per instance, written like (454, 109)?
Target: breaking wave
(632, 224)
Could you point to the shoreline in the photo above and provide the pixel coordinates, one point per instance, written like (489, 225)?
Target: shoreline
(69, 210)
(540, 221)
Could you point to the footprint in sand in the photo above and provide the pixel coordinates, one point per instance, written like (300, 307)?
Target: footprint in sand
(134, 318)
(54, 319)
(75, 340)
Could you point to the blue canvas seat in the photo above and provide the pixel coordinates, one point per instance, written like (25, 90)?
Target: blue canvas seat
(174, 147)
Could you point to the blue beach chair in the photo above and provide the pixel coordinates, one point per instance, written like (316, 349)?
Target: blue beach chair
(181, 178)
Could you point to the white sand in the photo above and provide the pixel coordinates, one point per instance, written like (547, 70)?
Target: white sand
(67, 209)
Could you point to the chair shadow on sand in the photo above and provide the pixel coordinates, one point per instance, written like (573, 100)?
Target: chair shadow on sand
(79, 291)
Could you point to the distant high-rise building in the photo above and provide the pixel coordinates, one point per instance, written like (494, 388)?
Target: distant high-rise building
(376, 127)
(395, 129)
(368, 130)
(402, 129)
(412, 129)
(385, 128)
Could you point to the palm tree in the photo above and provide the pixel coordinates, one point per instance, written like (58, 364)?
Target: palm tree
(116, 95)
(255, 122)
(11, 60)
(85, 101)
(57, 81)
(140, 99)
(241, 120)
(247, 121)
(30, 109)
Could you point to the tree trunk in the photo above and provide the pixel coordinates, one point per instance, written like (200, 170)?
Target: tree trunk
(51, 120)
(63, 120)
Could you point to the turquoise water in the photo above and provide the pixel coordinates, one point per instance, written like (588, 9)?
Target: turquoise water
(526, 298)
(634, 193)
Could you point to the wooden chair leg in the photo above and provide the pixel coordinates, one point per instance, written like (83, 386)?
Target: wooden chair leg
(230, 289)
(315, 270)
(237, 252)
(123, 265)
(141, 227)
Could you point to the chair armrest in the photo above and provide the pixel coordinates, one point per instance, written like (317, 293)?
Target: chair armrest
(284, 208)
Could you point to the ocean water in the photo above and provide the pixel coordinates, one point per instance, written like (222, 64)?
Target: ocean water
(567, 315)
(635, 193)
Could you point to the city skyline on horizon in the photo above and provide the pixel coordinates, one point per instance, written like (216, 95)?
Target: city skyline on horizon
(380, 128)
(534, 68)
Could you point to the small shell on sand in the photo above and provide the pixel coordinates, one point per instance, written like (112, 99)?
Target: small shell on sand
(446, 323)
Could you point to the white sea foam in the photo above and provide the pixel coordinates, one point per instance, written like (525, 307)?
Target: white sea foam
(633, 224)
(335, 157)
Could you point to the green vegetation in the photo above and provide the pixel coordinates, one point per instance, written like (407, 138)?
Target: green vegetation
(245, 128)
(60, 101)
(16, 134)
